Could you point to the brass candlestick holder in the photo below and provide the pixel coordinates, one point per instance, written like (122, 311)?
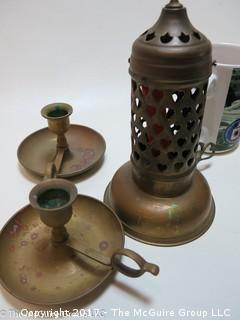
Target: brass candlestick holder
(74, 149)
(160, 196)
(63, 246)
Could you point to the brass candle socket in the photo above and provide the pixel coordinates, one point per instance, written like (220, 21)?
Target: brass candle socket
(58, 115)
(53, 200)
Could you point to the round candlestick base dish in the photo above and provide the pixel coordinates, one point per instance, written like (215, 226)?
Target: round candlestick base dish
(86, 149)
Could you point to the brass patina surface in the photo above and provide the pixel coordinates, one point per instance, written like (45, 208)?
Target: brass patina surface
(160, 196)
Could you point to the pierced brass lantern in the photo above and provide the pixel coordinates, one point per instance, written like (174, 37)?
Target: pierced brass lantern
(160, 196)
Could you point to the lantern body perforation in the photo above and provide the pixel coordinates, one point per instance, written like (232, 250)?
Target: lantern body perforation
(166, 126)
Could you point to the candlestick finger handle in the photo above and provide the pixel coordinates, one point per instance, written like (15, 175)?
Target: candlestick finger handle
(52, 200)
(115, 261)
(144, 266)
(50, 171)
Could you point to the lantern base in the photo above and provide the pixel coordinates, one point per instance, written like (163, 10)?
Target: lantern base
(161, 221)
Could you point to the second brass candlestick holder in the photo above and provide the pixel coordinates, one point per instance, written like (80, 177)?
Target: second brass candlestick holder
(73, 148)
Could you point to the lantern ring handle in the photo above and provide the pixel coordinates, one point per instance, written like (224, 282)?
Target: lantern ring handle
(144, 266)
(212, 151)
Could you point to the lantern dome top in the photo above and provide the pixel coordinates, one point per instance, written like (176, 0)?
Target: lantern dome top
(172, 52)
